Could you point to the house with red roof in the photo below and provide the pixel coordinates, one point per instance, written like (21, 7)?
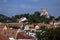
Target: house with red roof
(23, 35)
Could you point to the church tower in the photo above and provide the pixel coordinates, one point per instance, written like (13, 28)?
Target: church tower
(44, 12)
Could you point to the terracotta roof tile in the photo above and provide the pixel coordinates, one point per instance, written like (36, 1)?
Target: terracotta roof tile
(31, 25)
(22, 35)
(49, 26)
(16, 25)
(1, 27)
(40, 24)
(9, 33)
(3, 37)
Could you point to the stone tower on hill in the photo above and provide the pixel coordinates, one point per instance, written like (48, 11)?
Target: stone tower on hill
(44, 12)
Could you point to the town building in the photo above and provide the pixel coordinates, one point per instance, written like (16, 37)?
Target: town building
(44, 12)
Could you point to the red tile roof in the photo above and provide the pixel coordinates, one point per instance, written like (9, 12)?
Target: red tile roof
(16, 25)
(9, 33)
(31, 25)
(1, 27)
(40, 24)
(22, 35)
(3, 37)
(49, 26)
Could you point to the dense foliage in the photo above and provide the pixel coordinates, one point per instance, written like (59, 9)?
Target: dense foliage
(32, 18)
(50, 34)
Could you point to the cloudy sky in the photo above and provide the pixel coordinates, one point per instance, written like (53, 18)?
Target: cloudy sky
(13, 7)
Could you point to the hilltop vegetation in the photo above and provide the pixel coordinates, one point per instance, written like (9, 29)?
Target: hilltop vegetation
(32, 18)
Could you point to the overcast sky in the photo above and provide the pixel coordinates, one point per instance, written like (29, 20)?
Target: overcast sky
(13, 7)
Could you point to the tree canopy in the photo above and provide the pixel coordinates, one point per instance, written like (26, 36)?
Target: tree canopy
(32, 18)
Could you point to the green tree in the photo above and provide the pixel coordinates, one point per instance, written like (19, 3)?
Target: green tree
(4, 18)
(56, 33)
(46, 34)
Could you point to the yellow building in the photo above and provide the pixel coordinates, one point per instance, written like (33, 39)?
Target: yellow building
(5, 27)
